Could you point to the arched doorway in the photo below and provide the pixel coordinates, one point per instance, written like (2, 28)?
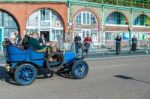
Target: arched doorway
(86, 23)
(143, 36)
(47, 22)
(116, 24)
(142, 20)
(116, 18)
(8, 26)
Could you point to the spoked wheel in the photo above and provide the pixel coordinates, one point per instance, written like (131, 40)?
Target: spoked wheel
(25, 74)
(55, 61)
(80, 69)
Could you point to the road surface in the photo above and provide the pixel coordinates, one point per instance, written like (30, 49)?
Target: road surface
(111, 78)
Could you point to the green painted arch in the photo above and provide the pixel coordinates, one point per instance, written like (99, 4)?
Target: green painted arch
(142, 20)
(94, 13)
(117, 18)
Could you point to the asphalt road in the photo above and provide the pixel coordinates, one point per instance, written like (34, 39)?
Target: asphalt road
(113, 78)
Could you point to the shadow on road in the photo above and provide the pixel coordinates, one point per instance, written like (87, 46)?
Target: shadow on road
(65, 74)
(130, 78)
(3, 74)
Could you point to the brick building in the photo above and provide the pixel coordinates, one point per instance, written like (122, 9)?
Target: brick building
(65, 18)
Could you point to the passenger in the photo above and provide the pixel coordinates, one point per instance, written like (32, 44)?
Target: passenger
(6, 42)
(34, 43)
(12, 37)
(17, 38)
(54, 46)
(25, 40)
(42, 40)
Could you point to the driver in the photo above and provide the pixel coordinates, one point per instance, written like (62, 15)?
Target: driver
(34, 43)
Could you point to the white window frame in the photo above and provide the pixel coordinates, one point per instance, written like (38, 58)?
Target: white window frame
(86, 20)
(51, 34)
(43, 28)
(2, 37)
(85, 30)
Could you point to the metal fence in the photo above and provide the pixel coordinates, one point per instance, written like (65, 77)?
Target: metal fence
(141, 44)
(109, 46)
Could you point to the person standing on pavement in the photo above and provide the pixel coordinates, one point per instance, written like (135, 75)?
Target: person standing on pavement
(134, 43)
(118, 44)
(78, 44)
(87, 42)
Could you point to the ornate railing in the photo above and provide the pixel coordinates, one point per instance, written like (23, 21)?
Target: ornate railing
(134, 3)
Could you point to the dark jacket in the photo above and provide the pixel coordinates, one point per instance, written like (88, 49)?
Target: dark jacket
(134, 43)
(134, 40)
(34, 43)
(118, 42)
(77, 39)
(41, 40)
(25, 41)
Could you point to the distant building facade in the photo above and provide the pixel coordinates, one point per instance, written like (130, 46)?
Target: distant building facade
(64, 18)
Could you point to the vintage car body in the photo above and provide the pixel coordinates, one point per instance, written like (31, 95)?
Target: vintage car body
(23, 64)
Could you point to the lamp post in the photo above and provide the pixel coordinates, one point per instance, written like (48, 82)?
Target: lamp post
(130, 28)
(69, 17)
(102, 25)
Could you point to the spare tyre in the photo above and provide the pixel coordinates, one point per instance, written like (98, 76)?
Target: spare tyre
(54, 61)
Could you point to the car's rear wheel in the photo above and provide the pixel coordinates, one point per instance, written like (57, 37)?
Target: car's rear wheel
(25, 74)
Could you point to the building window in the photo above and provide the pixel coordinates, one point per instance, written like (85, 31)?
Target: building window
(88, 18)
(85, 18)
(78, 19)
(8, 23)
(56, 22)
(33, 20)
(83, 23)
(93, 20)
(45, 15)
(56, 35)
(142, 20)
(47, 22)
(116, 18)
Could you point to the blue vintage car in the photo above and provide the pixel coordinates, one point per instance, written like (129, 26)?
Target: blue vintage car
(23, 64)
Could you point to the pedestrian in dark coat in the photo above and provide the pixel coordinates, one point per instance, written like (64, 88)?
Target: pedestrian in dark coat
(134, 43)
(118, 44)
(78, 44)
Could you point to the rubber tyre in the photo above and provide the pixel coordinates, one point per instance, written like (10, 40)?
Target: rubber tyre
(57, 67)
(80, 69)
(25, 74)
